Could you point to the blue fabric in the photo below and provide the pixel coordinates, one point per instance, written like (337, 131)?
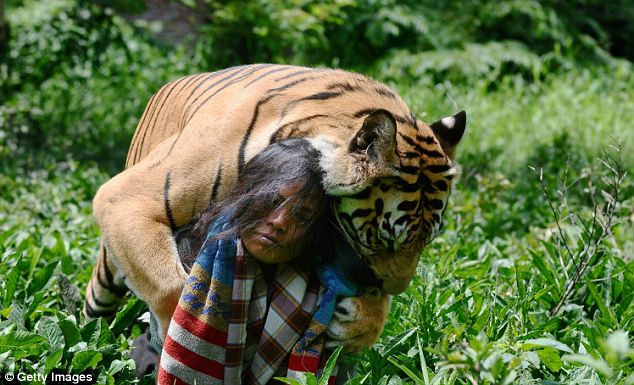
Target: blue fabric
(333, 279)
(217, 256)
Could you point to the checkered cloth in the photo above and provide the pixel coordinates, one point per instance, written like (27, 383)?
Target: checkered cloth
(230, 327)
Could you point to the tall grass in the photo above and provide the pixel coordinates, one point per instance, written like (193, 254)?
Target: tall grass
(532, 279)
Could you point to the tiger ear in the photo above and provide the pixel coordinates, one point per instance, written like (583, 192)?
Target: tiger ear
(449, 131)
(377, 137)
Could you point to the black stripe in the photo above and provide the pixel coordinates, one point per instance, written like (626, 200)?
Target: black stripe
(378, 206)
(441, 185)
(296, 73)
(425, 183)
(409, 155)
(407, 187)
(364, 112)
(426, 139)
(319, 96)
(153, 126)
(233, 81)
(110, 285)
(291, 84)
(267, 73)
(368, 111)
(433, 153)
(407, 205)
(138, 130)
(412, 143)
(92, 313)
(436, 204)
(140, 146)
(438, 168)
(342, 86)
(98, 302)
(166, 200)
(200, 83)
(214, 190)
(187, 116)
(400, 119)
(361, 213)
(364, 194)
(385, 92)
(247, 135)
(401, 220)
(324, 95)
(173, 144)
(278, 133)
(411, 170)
(414, 120)
(193, 79)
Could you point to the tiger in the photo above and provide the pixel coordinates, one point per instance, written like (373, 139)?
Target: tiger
(389, 175)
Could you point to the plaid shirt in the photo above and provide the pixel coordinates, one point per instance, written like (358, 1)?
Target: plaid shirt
(223, 332)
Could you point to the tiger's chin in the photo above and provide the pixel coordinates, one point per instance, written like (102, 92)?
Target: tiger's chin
(358, 321)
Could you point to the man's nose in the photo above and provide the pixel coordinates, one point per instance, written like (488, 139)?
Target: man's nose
(279, 219)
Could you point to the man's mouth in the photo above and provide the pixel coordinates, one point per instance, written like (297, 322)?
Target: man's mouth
(266, 239)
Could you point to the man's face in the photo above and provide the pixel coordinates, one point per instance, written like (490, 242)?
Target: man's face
(279, 236)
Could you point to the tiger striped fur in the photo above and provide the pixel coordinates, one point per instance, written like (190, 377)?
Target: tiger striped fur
(390, 173)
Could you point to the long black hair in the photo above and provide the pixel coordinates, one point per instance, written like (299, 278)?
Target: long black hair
(257, 192)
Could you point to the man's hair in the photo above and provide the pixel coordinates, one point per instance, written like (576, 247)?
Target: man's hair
(257, 192)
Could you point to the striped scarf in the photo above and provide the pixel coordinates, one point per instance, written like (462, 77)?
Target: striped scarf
(224, 332)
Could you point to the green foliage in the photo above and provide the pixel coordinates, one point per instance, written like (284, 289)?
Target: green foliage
(479, 311)
(47, 242)
(543, 97)
(75, 82)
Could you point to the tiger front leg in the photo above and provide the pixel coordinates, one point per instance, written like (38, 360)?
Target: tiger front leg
(359, 321)
(141, 244)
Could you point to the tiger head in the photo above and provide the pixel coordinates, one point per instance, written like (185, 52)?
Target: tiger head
(390, 184)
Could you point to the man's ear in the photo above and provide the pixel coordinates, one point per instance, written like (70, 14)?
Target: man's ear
(449, 131)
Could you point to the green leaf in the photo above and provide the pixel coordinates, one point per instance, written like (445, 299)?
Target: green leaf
(423, 364)
(20, 340)
(587, 360)
(86, 359)
(127, 316)
(70, 331)
(290, 381)
(398, 340)
(546, 342)
(330, 366)
(41, 278)
(12, 283)
(118, 365)
(605, 311)
(408, 371)
(91, 332)
(544, 268)
(35, 258)
(550, 358)
(49, 329)
(53, 360)
(105, 336)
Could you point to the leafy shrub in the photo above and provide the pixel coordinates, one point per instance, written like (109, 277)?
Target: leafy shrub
(77, 83)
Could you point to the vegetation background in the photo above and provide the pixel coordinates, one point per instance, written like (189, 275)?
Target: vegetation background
(532, 280)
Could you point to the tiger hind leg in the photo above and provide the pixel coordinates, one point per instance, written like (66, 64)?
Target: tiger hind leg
(106, 288)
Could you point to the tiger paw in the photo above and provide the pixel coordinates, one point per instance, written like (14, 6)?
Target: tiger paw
(358, 321)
